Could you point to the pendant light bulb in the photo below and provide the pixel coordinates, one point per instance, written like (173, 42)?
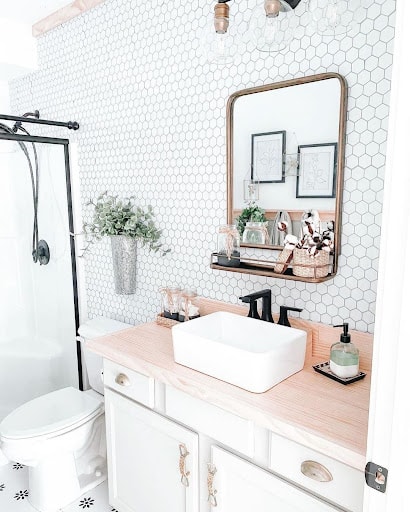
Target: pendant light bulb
(332, 16)
(221, 18)
(272, 25)
(272, 8)
(336, 17)
(217, 41)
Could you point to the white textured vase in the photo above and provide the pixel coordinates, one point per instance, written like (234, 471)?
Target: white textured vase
(124, 259)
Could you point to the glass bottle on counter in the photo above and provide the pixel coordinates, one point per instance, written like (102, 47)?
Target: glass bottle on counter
(229, 246)
(190, 307)
(344, 356)
(171, 302)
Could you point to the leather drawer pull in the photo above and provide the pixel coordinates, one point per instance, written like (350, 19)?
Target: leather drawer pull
(183, 454)
(316, 471)
(210, 482)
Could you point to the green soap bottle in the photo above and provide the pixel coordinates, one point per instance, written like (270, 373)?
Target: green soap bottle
(344, 356)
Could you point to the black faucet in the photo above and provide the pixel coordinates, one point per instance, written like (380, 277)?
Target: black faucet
(283, 315)
(251, 299)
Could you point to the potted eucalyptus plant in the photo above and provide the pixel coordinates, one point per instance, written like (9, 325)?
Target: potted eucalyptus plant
(252, 213)
(126, 224)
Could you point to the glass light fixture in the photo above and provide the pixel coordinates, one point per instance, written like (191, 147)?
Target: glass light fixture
(291, 164)
(335, 17)
(218, 41)
(272, 25)
(251, 186)
(250, 190)
(291, 157)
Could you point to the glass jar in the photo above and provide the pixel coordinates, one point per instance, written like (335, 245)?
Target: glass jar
(171, 302)
(228, 246)
(189, 305)
(255, 233)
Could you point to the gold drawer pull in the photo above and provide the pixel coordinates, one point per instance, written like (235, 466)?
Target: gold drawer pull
(122, 380)
(316, 471)
(183, 454)
(210, 481)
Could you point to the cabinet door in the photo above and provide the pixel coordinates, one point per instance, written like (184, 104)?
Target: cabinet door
(244, 487)
(148, 456)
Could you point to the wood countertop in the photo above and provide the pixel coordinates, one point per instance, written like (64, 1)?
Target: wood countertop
(307, 407)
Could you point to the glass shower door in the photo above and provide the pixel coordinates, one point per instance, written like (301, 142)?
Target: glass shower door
(37, 312)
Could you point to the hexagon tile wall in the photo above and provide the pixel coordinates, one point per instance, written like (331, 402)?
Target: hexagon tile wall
(152, 117)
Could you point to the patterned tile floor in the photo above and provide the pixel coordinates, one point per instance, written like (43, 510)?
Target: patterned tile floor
(14, 493)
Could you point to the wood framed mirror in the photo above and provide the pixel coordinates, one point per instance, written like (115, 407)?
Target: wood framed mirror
(285, 155)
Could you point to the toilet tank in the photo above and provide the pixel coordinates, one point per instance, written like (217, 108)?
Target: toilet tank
(95, 328)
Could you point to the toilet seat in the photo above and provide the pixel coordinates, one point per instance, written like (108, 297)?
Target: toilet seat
(53, 413)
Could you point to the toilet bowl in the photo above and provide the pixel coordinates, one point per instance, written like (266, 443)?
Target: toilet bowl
(60, 436)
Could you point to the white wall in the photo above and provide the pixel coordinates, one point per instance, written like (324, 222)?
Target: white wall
(152, 116)
(16, 295)
(18, 49)
(11, 293)
(308, 113)
(4, 96)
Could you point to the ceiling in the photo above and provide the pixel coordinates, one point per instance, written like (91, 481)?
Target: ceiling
(31, 11)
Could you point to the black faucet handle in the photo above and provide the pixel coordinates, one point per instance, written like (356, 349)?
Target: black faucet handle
(253, 306)
(283, 315)
(251, 299)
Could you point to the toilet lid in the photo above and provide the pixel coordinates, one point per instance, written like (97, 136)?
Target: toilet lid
(49, 413)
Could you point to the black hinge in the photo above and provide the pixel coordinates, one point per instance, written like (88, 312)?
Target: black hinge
(376, 476)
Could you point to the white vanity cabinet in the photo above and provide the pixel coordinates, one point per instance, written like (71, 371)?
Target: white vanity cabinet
(152, 461)
(190, 456)
(239, 486)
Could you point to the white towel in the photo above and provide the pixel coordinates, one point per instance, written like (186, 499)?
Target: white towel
(278, 237)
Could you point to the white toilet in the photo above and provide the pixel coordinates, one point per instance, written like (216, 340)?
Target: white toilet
(60, 436)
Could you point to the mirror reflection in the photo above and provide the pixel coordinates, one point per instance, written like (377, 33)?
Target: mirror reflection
(285, 154)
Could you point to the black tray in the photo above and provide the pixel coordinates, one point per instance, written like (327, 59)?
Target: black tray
(324, 369)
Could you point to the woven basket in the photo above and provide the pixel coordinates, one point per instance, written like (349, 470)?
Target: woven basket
(166, 322)
(307, 266)
(284, 257)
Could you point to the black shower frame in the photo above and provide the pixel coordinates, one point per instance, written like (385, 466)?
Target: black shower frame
(65, 143)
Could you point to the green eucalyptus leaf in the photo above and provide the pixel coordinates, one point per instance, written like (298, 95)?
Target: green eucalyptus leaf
(114, 216)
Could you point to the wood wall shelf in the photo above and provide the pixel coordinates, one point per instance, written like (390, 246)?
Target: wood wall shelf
(258, 268)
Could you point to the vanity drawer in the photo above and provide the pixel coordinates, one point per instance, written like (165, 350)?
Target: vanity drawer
(129, 383)
(214, 422)
(344, 485)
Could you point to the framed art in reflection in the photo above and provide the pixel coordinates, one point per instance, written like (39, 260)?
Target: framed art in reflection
(267, 161)
(317, 170)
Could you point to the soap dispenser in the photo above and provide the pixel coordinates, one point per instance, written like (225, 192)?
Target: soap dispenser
(344, 356)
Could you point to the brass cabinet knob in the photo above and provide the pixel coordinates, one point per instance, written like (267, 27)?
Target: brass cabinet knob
(316, 471)
(122, 380)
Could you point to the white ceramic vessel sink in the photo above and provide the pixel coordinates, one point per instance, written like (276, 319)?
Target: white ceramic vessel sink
(252, 354)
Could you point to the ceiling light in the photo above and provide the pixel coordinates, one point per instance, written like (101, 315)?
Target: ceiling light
(272, 24)
(335, 17)
(218, 41)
